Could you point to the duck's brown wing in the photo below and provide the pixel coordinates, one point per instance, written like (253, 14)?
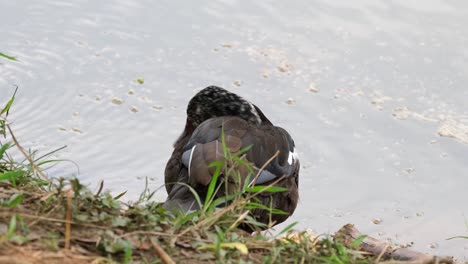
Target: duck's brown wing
(205, 146)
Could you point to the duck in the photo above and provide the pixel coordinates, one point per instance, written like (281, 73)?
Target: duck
(216, 116)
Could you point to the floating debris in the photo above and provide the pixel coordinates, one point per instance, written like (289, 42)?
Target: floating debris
(157, 107)
(145, 99)
(134, 109)
(77, 130)
(453, 129)
(282, 69)
(131, 92)
(379, 100)
(237, 83)
(291, 101)
(62, 129)
(227, 45)
(312, 88)
(401, 113)
(377, 221)
(117, 101)
(140, 80)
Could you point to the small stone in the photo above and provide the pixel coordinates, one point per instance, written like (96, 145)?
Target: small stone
(226, 45)
(377, 221)
(157, 107)
(434, 245)
(117, 101)
(131, 92)
(62, 129)
(409, 170)
(265, 75)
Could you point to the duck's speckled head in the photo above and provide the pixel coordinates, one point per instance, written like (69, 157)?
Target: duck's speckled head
(215, 101)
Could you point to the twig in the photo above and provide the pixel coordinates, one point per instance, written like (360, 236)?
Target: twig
(382, 253)
(33, 165)
(348, 234)
(68, 220)
(101, 185)
(240, 218)
(50, 153)
(263, 167)
(141, 232)
(162, 254)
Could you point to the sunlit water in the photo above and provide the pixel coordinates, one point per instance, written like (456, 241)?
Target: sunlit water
(363, 87)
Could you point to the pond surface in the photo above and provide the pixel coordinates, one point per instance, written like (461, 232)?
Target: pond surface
(374, 93)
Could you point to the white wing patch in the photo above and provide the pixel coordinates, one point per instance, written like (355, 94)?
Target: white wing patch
(190, 159)
(252, 108)
(292, 156)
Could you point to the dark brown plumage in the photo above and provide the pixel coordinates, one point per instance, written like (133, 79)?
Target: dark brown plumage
(209, 112)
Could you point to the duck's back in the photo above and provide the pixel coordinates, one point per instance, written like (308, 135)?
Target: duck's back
(190, 164)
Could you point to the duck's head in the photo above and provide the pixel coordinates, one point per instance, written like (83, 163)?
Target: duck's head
(215, 101)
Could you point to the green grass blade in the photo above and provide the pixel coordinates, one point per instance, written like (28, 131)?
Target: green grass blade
(11, 228)
(358, 241)
(15, 199)
(192, 190)
(11, 176)
(120, 195)
(244, 163)
(8, 57)
(286, 229)
(214, 180)
(3, 149)
(463, 237)
(242, 151)
(10, 102)
(128, 254)
(268, 189)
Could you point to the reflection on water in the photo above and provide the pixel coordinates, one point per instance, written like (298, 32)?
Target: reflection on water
(385, 77)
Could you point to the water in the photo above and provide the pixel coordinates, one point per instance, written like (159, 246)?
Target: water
(389, 76)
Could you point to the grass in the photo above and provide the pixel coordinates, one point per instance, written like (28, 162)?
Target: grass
(8, 57)
(52, 220)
